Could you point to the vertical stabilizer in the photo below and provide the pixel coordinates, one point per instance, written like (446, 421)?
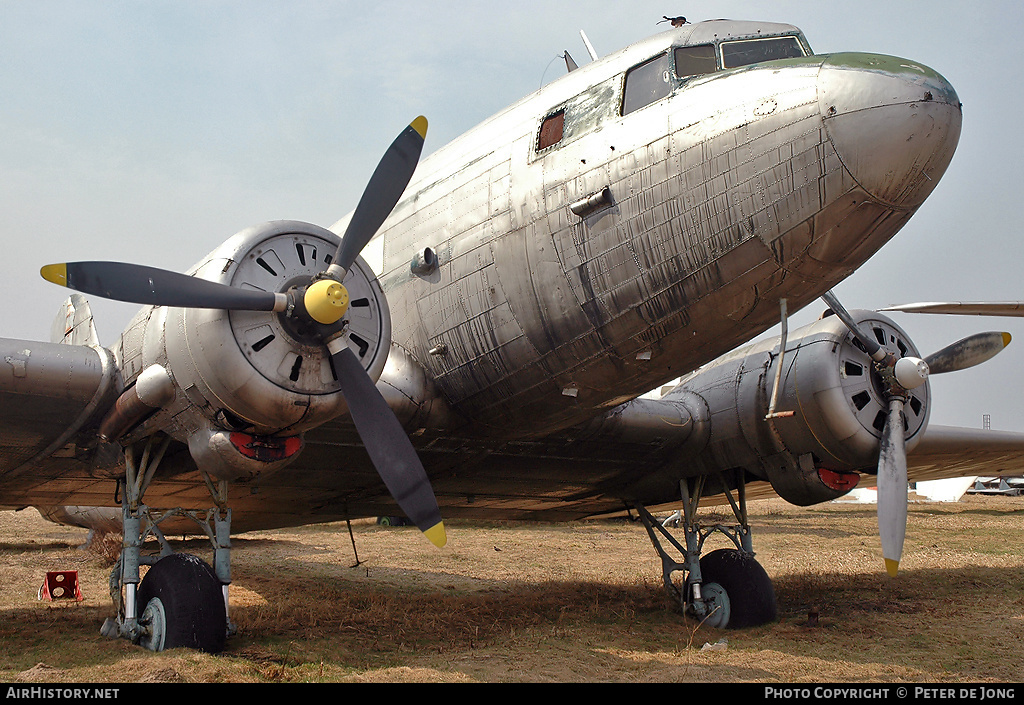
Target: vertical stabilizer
(73, 324)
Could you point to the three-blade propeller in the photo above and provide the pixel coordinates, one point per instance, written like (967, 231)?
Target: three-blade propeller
(899, 376)
(325, 302)
(138, 284)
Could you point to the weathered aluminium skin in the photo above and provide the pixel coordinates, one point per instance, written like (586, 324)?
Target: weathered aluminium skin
(519, 327)
(740, 188)
(624, 226)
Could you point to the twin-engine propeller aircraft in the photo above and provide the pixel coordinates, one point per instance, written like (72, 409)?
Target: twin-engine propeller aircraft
(625, 225)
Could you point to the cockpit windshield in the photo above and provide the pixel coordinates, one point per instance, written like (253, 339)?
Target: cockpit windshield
(695, 60)
(753, 51)
(660, 76)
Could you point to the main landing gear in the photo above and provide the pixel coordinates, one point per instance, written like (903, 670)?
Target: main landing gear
(726, 588)
(182, 602)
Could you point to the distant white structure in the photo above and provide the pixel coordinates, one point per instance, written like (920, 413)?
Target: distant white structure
(945, 490)
(950, 490)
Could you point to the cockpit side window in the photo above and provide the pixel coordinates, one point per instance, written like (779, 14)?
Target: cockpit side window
(646, 83)
(752, 51)
(696, 60)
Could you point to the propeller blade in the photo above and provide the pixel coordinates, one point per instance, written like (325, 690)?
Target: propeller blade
(388, 445)
(892, 488)
(972, 350)
(382, 192)
(138, 284)
(871, 345)
(899, 376)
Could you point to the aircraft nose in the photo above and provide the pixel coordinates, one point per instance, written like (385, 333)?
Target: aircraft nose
(894, 124)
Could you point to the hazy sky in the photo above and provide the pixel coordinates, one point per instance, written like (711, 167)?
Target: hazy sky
(150, 131)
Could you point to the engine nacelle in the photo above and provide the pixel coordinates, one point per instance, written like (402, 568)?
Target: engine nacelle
(830, 410)
(254, 372)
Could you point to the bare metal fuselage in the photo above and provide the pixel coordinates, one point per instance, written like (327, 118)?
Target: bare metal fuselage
(740, 188)
(533, 288)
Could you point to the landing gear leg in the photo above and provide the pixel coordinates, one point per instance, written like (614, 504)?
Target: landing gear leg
(182, 601)
(217, 525)
(125, 578)
(727, 588)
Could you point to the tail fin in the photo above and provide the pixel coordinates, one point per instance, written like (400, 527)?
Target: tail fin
(73, 324)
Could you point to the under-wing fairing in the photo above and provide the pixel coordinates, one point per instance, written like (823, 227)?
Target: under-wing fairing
(634, 221)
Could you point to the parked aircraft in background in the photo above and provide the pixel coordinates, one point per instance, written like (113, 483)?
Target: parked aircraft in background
(632, 222)
(1008, 486)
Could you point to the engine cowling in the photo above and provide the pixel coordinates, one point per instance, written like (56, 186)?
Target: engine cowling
(830, 410)
(838, 398)
(254, 373)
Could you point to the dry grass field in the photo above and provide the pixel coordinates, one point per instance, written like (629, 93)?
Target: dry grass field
(512, 602)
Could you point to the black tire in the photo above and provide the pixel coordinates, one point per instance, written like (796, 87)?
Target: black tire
(192, 601)
(750, 591)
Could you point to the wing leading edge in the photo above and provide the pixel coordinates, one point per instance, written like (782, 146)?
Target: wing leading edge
(964, 308)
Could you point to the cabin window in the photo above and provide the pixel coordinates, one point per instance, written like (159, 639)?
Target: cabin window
(696, 61)
(646, 83)
(753, 51)
(551, 130)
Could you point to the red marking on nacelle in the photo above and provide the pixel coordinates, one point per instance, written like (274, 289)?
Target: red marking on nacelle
(266, 449)
(842, 481)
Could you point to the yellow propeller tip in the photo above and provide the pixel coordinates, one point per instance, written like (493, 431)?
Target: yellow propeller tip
(437, 535)
(892, 567)
(1006, 339)
(420, 125)
(56, 273)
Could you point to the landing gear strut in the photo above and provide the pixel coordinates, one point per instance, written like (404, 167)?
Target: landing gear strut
(727, 588)
(182, 602)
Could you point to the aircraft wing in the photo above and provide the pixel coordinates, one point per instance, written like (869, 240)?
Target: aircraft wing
(49, 393)
(944, 452)
(51, 396)
(947, 451)
(964, 308)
